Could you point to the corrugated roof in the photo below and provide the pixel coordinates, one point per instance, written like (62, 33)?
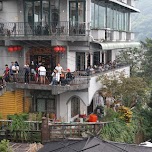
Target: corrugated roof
(92, 145)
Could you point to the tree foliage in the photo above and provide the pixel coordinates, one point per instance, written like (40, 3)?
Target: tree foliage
(132, 57)
(147, 62)
(127, 89)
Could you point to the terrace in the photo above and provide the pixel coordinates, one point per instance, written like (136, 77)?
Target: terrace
(81, 81)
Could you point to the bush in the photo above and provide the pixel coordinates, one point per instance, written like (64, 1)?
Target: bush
(4, 146)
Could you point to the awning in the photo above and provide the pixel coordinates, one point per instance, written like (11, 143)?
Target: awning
(119, 45)
(133, 9)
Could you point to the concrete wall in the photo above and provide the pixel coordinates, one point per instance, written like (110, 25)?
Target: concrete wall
(64, 104)
(9, 12)
(7, 57)
(71, 61)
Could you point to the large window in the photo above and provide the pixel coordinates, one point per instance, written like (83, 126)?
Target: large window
(106, 15)
(77, 11)
(41, 12)
(98, 15)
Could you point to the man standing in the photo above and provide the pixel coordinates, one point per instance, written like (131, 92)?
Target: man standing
(27, 72)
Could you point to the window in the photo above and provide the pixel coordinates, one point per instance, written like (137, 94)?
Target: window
(75, 106)
(106, 15)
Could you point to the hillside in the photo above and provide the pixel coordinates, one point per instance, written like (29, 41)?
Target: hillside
(142, 22)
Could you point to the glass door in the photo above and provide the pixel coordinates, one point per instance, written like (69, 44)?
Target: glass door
(77, 17)
(80, 61)
(28, 16)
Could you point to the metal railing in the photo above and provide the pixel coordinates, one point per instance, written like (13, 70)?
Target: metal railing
(13, 29)
(34, 78)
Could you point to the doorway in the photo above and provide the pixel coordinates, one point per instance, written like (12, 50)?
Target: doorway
(77, 17)
(80, 61)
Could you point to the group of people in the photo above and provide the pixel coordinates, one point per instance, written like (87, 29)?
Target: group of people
(37, 74)
(60, 76)
(11, 73)
(101, 67)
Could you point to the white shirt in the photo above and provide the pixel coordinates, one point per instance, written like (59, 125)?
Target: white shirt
(42, 71)
(59, 69)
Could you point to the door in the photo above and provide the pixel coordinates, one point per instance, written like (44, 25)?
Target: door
(77, 17)
(80, 61)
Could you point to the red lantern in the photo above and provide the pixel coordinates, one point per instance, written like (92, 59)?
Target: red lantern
(56, 49)
(60, 48)
(10, 49)
(63, 49)
(15, 48)
(19, 48)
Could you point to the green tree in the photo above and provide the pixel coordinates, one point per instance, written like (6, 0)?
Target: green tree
(132, 57)
(146, 65)
(127, 89)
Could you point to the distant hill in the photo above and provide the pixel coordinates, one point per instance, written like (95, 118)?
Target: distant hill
(142, 22)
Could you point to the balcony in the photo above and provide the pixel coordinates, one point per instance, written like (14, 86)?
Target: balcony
(37, 31)
(81, 81)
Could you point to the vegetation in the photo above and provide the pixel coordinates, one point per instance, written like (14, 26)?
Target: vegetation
(133, 119)
(132, 57)
(4, 146)
(23, 131)
(128, 90)
(18, 128)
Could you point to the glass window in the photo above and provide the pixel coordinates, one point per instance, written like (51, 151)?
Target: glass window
(73, 14)
(101, 16)
(45, 12)
(28, 13)
(75, 106)
(96, 15)
(92, 15)
(37, 11)
(81, 12)
(109, 17)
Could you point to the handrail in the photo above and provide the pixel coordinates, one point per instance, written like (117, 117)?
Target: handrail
(13, 29)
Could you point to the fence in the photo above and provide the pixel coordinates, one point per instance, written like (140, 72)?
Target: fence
(45, 131)
(74, 130)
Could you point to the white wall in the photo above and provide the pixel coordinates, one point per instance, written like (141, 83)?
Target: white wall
(7, 57)
(64, 107)
(71, 61)
(9, 12)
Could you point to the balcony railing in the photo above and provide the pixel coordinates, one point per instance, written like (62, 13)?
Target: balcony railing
(12, 29)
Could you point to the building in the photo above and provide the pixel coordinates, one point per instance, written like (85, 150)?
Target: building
(74, 33)
(91, 144)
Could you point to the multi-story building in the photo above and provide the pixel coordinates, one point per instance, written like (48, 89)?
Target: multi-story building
(74, 33)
